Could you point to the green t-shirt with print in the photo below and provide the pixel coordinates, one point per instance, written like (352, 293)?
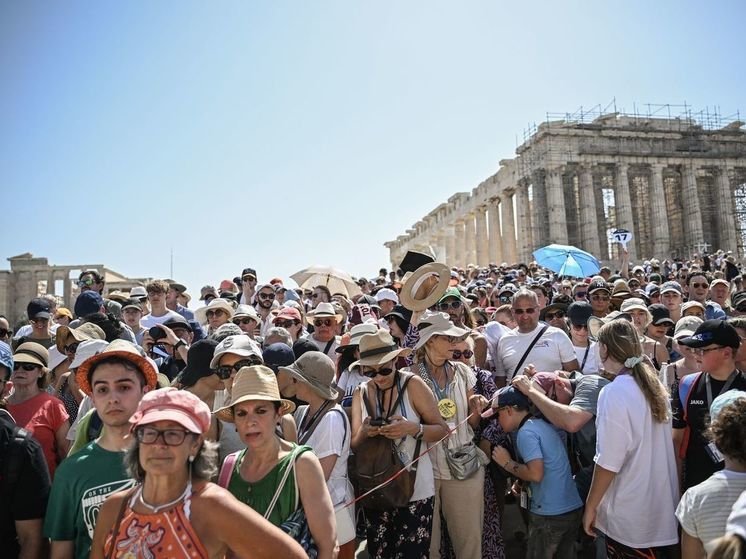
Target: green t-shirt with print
(81, 485)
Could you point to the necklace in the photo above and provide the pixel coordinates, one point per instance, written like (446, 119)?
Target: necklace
(158, 508)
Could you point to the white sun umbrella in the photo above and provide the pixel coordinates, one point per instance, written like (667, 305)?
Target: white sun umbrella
(337, 281)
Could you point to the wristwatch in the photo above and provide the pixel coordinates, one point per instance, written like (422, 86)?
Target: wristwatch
(420, 433)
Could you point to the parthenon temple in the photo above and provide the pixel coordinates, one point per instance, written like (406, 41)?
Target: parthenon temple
(678, 183)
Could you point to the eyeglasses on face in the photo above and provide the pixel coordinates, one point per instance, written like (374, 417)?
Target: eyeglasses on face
(580, 327)
(86, 282)
(701, 351)
(25, 366)
(224, 371)
(581, 294)
(72, 348)
(466, 353)
(248, 278)
(244, 321)
(323, 322)
(170, 437)
(697, 285)
(505, 298)
(452, 305)
(553, 315)
(286, 323)
(371, 373)
(529, 310)
(267, 296)
(216, 312)
(600, 297)
(5, 333)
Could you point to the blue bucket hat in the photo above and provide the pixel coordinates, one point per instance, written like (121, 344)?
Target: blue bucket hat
(6, 357)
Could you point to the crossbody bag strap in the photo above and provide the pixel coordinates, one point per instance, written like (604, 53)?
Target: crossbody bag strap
(315, 423)
(281, 485)
(118, 522)
(328, 346)
(529, 348)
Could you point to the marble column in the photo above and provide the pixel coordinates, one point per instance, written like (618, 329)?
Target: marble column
(588, 216)
(482, 237)
(727, 223)
(508, 228)
(623, 202)
(690, 200)
(67, 290)
(525, 232)
(451, 253)
(460, 231)
(50, 282)
(658, 212)
(539, 218)
(556, 206)
(470, 254)
(496, 249)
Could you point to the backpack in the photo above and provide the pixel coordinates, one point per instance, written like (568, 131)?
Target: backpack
(12, 462)
(686, 386)
(376, 460)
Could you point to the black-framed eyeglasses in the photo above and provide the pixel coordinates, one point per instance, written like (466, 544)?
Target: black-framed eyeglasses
(530, 310)
(72, 348)
(286, 323)
(323, 322)
(372, 373)
(170, 437)
(466, 353)
(224, 371)
(267, 296)
(244, 321)
(553, 315)
(452, 305)
(25, 366)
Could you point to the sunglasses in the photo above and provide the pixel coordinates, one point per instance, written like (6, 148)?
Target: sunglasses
(371, 373)
(323, 322)
(285, 323)
(458, 354)
(224, 371)
(553, 315)
(25, 366)
(170, 437)
(248, 278)
(267, 296)
(4, 332)
(218, 312)
(580, 327)
(700, 285)
(505, 298)
(244, 321)
(71, 348)
(86, 283)
(451, 305)
(530, 310)
(581, 294)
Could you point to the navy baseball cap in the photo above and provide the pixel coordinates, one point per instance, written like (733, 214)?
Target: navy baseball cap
(278, 355)
(38, 308)
(506, 397)
(715, 331)
(88, 302)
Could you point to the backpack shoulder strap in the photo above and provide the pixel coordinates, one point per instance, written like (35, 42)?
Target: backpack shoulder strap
(227, 468)
(686, 386)
(398, 401)
(345, 419)
(366, 401)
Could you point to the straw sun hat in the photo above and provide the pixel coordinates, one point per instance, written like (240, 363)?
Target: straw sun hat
(377, 349)
(254, 383)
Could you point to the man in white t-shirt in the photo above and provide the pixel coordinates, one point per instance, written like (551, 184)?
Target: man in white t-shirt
(552, 351)
(157, 290)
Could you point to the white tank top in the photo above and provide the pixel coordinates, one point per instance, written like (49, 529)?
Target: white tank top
(424, 485)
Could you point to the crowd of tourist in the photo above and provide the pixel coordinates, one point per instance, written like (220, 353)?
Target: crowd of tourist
(272, 421)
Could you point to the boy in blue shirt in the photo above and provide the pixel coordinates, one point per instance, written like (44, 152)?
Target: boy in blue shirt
(554, 506)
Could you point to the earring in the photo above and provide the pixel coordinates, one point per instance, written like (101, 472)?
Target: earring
(191, 459)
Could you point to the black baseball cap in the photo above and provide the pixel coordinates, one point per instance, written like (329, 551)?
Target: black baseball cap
(660, 314)
(198, 362)
(179, 322)
(715, 331)
(598, 285)
(38, 308)
(579, 313)
(132, 304)
(248, 271)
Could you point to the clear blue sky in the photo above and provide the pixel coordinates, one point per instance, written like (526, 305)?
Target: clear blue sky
(280, 134)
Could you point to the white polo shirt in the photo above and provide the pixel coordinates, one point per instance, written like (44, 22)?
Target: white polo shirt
(548, 354)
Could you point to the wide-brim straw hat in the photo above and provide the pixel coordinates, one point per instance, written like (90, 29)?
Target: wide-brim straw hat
(200, 314)
(437, 324)
(32, 353)
(324, 310)
(254, 383)
(316, 370)
(86, 331)
(425, 286)
(379, 348)
(125, 350)
(352, 339)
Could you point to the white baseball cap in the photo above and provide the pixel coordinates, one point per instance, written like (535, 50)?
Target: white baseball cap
(387, 294)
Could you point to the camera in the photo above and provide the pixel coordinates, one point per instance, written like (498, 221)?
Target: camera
(157, 333)
(378, 421)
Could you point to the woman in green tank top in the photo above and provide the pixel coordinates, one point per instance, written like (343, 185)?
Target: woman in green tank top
(273, 476)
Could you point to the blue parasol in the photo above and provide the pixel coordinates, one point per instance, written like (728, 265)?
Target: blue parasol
(567, 261)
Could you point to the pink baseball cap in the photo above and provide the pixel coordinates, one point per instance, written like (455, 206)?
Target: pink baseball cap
(287, 313)
(171, 404)
(227, 285)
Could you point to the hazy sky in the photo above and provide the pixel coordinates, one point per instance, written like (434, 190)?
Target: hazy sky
(278, 135)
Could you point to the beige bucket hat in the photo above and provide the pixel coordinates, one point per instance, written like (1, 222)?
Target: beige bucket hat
(254, 383)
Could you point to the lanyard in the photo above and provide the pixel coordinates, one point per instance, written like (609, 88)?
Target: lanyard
(381, 395)
(585, 356)
(708, 387)
(441, 394)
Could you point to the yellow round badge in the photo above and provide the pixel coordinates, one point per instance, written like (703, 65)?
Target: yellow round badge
(447, 408)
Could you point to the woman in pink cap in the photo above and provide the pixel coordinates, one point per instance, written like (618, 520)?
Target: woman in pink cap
(174, 511)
